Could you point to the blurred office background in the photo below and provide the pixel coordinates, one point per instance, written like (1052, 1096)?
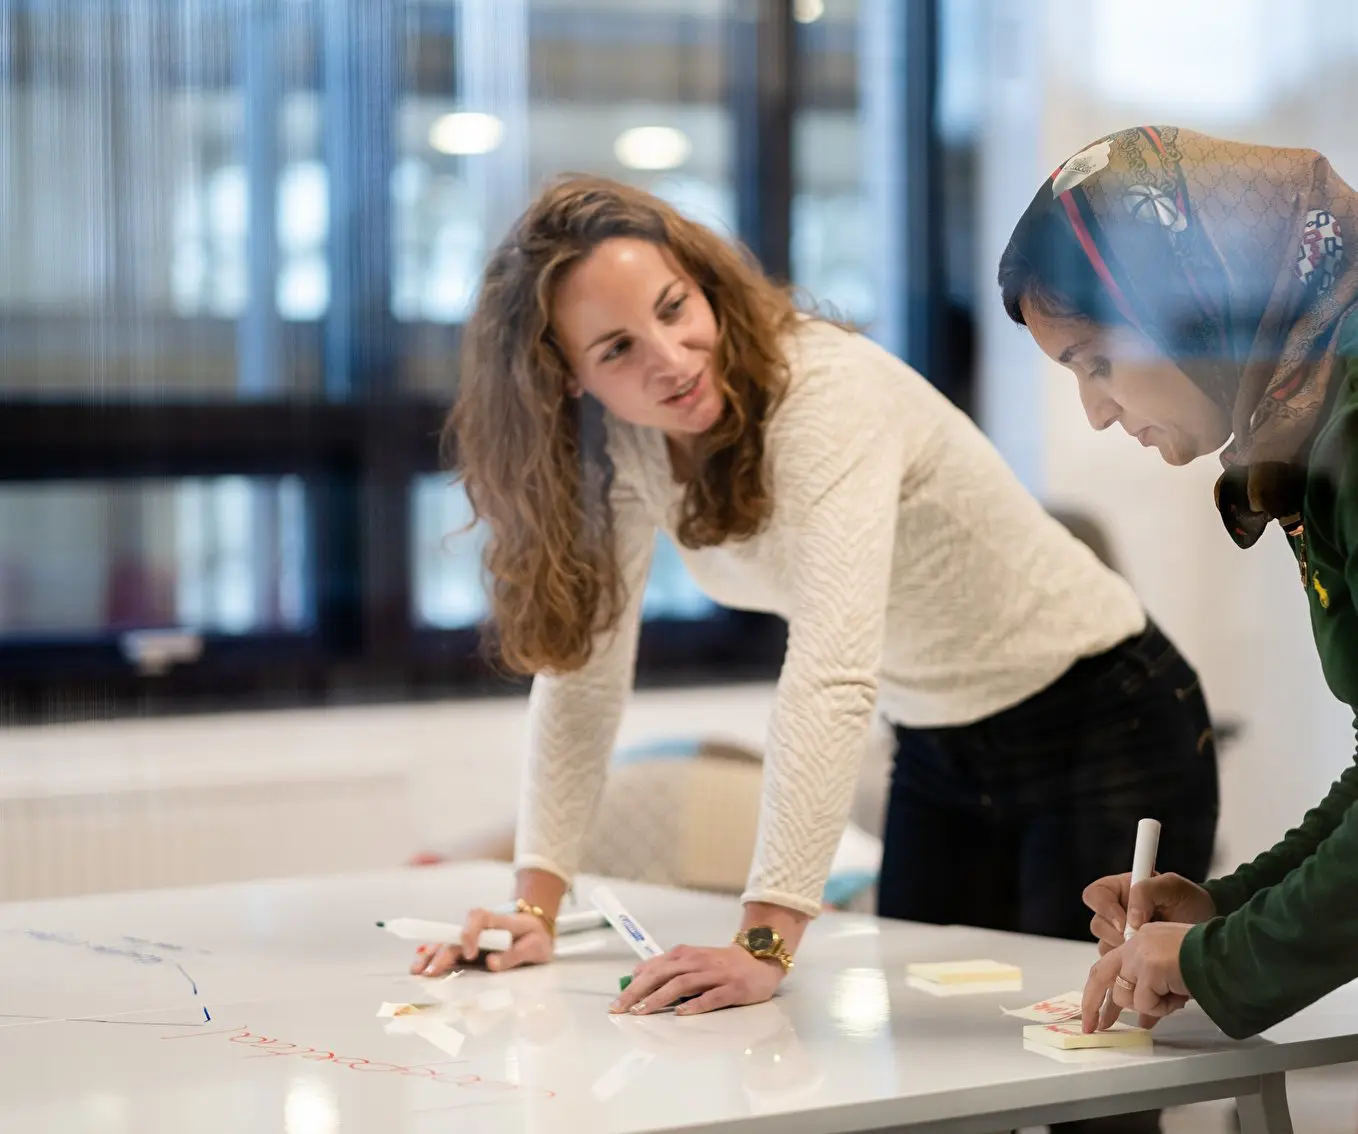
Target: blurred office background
(237, 610)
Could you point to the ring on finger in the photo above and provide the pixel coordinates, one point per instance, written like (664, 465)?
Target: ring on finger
(1123, 983)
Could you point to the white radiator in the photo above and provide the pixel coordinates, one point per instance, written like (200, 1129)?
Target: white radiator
(63, 844)
(135, 804)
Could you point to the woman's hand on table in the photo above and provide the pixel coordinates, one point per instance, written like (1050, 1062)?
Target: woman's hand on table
(725, 977)
(532, 945)
(1143, 974)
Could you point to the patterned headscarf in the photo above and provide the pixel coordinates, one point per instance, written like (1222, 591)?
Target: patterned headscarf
(1230, 257)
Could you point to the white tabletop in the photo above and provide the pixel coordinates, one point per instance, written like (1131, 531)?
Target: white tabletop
(254, 1007)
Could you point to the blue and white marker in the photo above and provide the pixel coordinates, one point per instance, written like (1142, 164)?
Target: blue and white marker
(643, 944)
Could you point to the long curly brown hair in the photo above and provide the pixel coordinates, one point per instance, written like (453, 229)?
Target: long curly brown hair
(534, 460)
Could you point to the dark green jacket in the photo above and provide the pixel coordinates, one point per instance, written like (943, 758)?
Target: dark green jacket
(1289, 930)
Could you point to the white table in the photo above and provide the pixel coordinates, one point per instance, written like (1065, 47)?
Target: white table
(253, 1008)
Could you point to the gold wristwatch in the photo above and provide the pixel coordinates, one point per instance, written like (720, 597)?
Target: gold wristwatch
(765, 944)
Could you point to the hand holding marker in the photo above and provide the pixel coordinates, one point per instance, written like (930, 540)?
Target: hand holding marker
(608, 911)
(1143, 867)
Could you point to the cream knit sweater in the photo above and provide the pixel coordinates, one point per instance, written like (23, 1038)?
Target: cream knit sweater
(917, 576)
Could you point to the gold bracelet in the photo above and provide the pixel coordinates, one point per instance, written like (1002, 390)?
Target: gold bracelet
(521, 906)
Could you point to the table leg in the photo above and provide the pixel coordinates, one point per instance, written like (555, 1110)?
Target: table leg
(1266, 1112)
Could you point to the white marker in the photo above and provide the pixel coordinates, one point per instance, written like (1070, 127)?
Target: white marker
(579, 921)
(643, 944)
(417, 929)
(1143, 860)
(1143, 866)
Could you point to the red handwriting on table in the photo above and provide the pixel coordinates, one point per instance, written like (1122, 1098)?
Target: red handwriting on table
(268, 1047)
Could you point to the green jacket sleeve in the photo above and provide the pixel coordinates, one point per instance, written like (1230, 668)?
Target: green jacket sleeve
(1290, 931)
(1296, 938)
(1271, 867)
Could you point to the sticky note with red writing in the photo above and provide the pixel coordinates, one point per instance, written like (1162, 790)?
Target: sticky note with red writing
(1053, 1010)
(1070, 1036)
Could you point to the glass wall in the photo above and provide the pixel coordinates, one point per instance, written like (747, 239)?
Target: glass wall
(241, 240)
(137, 141)
(833, 245)
(502, 95)
(231, 322)
(217, 554)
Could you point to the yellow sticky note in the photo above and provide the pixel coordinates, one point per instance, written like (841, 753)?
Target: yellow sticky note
(965, 972)
(388, 1011)
(1069, 1036)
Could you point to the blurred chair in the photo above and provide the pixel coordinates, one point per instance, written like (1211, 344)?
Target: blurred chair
(683, 812)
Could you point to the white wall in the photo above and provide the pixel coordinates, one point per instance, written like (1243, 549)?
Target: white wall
(1061, 73)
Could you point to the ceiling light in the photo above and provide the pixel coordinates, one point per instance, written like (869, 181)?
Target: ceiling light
(808, 11)
(468, 132)
(652, 147)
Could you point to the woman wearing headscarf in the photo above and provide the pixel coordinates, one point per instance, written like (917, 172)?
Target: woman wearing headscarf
(1200, 291)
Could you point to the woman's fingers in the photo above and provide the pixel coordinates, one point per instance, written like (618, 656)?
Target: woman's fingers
(686, 984)
(443, 961)
(723, 996)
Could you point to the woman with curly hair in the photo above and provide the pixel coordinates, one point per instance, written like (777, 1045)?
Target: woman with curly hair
(627, 371)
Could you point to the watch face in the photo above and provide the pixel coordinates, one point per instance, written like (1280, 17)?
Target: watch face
(760, 939)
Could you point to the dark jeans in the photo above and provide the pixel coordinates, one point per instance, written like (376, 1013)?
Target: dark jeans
(1003, 823)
